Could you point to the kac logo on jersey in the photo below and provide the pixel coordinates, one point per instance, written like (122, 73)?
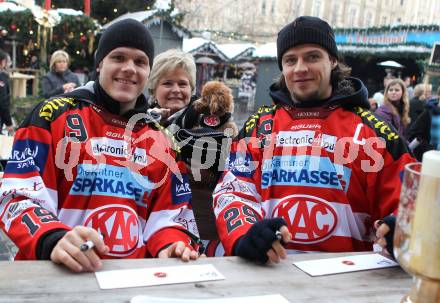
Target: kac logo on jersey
(119, 225)
(181, 192)
(27, 156)
(309, 219)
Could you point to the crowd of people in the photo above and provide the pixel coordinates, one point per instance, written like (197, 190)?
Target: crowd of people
(411, 111)
(101, 163)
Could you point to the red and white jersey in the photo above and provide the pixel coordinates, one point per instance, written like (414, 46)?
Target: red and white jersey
(329, 172)
(74, 163)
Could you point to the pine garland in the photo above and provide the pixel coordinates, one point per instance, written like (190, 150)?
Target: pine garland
(75, 34)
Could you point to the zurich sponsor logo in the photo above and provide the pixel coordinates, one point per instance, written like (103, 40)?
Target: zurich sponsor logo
(241, 164)
(305, 171)
(181, 192)
(108, 180)
(27, 156)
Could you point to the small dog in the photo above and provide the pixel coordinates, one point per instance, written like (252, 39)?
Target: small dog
(215, 104)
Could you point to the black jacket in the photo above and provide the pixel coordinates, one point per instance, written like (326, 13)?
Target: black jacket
(52, 83)
(5, 96)
(425, 130)
(416, 107)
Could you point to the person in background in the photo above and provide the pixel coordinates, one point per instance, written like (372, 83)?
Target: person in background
(422, 92)
(171, 86)
(294, 183)
(395, 107)
(378, 96)
(373, 104)
(426, 128)
(60, 79)
(34, 64)
(5, 94)
(89, 166)
(409, 87)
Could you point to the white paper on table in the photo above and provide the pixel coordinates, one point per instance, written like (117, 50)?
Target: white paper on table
(344, 264)
(277, 298)
(157, 276)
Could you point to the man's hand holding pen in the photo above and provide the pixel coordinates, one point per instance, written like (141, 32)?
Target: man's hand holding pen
(80, 249)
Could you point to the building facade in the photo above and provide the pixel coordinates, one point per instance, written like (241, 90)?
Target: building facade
(260, 20)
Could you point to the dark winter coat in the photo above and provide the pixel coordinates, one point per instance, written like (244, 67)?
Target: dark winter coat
(416, 107)
(5, 96)
(52, 83)
(426, 128)
(386, 114)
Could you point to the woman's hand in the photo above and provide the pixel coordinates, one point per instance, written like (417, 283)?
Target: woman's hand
(68, 87)
(163, 112)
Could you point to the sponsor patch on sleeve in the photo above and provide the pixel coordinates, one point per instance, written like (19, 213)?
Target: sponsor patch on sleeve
(27, 156)
(241, 164)
(181, 192)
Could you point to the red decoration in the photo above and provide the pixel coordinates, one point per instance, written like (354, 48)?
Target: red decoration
(160, 274)
(211, 120)
(47, 5)
(13, 27)
(87, 7)
(347, 262)
(83, 39)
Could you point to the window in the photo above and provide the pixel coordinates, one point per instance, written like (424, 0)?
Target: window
(317, 8)
(263, 7)
(335, 14)
(352, 17)
(368, 21)
(297, 7)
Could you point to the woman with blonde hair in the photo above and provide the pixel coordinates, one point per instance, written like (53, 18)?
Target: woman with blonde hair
(172, 85)
(395, 107)
(60, 79)
(422, 92)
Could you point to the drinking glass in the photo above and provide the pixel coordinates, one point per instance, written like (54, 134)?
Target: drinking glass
(417, 234)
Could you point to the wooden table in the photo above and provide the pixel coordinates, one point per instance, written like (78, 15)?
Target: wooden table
(42, 281)
(19, 83)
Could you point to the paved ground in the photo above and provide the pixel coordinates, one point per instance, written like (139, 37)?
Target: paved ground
(8, 249)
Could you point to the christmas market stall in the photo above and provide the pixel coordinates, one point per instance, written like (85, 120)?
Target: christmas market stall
(163, 26)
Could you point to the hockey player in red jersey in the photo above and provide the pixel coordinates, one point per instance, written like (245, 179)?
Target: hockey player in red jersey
(316, 170)
(88, 166)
